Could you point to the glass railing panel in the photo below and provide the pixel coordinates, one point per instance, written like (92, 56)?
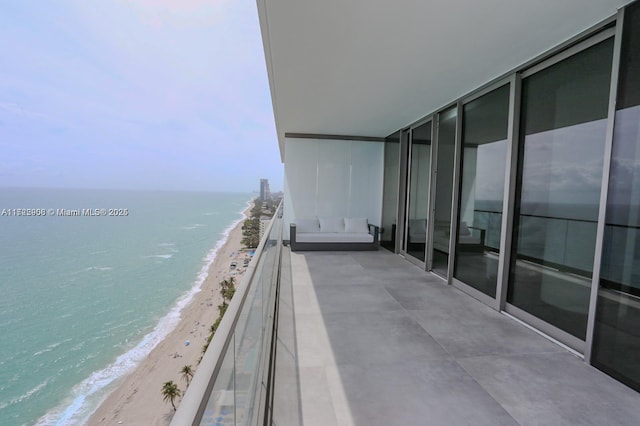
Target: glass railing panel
(228, 388)
(248, 340)
(620, 267)
(555, 242)
(221, 407)
(286, 395)
(579, 252)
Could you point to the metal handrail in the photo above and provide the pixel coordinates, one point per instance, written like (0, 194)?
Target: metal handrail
(194, 402)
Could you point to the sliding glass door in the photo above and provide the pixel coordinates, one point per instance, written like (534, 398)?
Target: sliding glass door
(390, 192)
(417, 196)
(561, 148)
(616, 347)
(445, 157)
(485, 123)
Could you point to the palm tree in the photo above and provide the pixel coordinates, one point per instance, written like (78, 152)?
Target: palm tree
(187, 373)
(170, 392)
(227, 289)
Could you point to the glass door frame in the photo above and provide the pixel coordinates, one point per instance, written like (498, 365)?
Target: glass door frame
(604, 190)
(576, 345)
(604, 194)
(405, 137)
(433, 190)
(496, 303)
(405, 169)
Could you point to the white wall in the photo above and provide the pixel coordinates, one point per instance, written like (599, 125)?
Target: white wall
(332, 178)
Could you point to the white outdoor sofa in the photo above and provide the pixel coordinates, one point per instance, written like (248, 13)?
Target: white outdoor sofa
(333, 233)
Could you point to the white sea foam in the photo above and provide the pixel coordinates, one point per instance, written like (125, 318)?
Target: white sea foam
(93, 268)
(160, 256)
(192, 227)
(25, 395)
(82, 400)
(50, 347)
(169, 246)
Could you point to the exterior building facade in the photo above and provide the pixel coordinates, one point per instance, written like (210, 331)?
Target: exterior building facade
(517, 180)
(265, 193)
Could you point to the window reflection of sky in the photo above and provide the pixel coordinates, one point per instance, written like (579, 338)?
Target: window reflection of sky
(563, 168)
(625, 163)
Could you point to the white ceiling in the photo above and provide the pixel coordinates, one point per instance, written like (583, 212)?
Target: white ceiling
(367, 68)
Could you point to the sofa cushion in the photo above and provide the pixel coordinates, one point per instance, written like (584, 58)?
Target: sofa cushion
(356, 224)
(335, 237)
(331, 224)
(307, 225)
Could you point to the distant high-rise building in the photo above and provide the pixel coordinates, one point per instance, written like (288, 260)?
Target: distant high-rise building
(265, 193)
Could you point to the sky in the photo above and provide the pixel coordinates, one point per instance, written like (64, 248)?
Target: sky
(135, 94)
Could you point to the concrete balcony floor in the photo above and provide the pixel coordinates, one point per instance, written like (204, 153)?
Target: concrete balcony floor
(381, 342)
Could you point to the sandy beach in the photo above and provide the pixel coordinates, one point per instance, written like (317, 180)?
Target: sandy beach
(137, 399)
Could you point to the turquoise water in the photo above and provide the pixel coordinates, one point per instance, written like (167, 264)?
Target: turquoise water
(84, 298)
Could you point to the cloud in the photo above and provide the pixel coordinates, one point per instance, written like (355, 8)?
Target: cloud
(122, 86)
(564, 165)
(13, 109)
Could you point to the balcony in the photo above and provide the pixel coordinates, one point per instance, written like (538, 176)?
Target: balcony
(366, 338)
(380, 341)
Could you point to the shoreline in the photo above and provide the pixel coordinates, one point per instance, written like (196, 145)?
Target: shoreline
(135, 398)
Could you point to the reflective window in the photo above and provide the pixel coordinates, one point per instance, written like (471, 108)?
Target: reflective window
(390, 191)
(418, 205)
(444, 190)
(485, 124)
(617, 328)
(561, 147)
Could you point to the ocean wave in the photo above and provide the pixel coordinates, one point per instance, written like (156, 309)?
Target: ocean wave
(79, 405)
(192, 227)
(25, 395)
(169, 246)
(50, 347)
(93, 268)
(159, 256)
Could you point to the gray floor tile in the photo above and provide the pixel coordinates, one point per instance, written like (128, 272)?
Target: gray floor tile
(370, 338)
(326, 275)
(317, 406)
(434, 392)
(355, 298)
(480, 330)
(554, 389)
(313, 344)
(430, 296)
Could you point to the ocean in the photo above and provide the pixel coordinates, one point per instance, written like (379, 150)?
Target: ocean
(90, 282)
